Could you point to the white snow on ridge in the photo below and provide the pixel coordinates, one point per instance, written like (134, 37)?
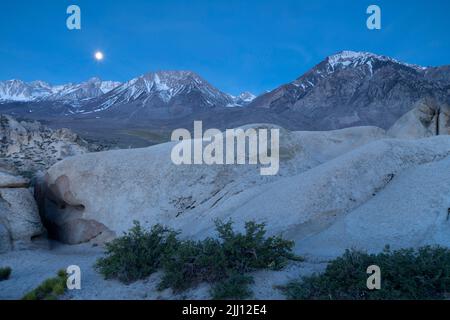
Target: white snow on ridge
(241, 100)
(107, 86)
(17, 90)
(344, 60)
(164, 85)
(354, 59)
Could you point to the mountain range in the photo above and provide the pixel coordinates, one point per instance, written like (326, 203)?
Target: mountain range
(17, 90)
(344, 90)
(356, 88)
(163, 89)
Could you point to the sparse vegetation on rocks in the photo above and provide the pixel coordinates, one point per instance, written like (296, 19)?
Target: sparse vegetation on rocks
(406, 274)
(50, 289)
(223, 262)
(235, 286)
(137, 254)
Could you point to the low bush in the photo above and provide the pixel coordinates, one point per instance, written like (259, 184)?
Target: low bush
(136, 254)
(5, 273)
(223, 262)
(219, 260)
(236, 286)
(405, 274)
(192, 262)
(50, 289)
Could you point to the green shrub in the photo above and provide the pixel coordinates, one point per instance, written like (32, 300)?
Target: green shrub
(5, 273)
(219, 260)
(192, 262)
(222, 262)
(50, 289)
(405, 274)
(236, 286)
(136, 254)
(252, 250)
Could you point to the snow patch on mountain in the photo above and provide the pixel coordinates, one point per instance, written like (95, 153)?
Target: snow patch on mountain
(164, 85)
(92, 88)
(242, 100)
(20, 91)
(347, 60)
(355, 59)
(17, 90)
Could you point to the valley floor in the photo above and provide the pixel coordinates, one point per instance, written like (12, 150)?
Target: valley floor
(32, 267)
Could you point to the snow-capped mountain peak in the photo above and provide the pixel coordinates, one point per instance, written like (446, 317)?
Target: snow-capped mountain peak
(242, 100)
(40, 84)
(107, 86)
(247, 96)
(348, 60)
(17, 90)
(355, 59)
(170, 83)
(355, 88)
(89, 89)
(164, 86)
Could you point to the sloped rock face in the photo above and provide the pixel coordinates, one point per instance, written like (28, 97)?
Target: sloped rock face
(428, 118)
(116, 187)
(411, 211)
(19, 216)
(306, 204)
(324, 179)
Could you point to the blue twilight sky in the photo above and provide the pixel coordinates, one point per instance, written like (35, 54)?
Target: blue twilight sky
(236, 45)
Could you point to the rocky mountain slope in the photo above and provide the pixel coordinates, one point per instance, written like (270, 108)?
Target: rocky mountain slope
(243, 99)
(165, 94)
(155, 95)
(77, 94)
(17, 90)
(356, 88)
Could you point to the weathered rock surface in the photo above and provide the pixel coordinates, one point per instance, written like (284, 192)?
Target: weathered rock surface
(304, 205)
(30, 146)
(324, 179)
(19, 216)
(428, 118)
(8, 180)
(116, 187)
(411, 211)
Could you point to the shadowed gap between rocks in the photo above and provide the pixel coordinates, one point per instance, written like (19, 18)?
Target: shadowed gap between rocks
(62, 214)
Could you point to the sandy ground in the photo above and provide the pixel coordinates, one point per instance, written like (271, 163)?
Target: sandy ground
(31, 267)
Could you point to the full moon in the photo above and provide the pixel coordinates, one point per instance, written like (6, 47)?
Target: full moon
(98, 56)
